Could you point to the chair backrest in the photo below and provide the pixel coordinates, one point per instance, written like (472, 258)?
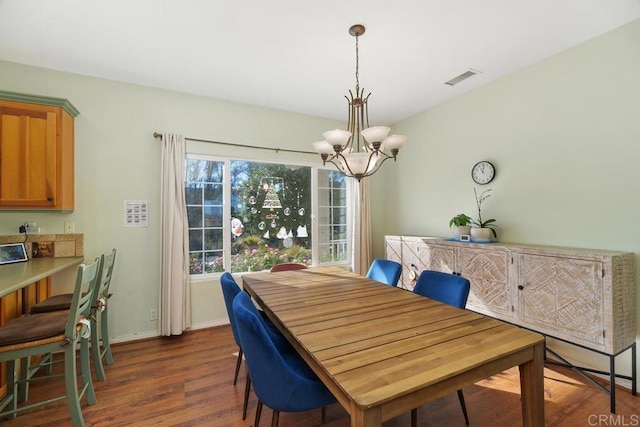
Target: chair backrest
(385, 271)
(274, 380)
(444, 287)
(102, 292)
(229, 290)
(287, 266)
(87, 280)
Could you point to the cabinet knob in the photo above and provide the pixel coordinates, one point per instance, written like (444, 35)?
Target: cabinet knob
(49, 199)
(520, 287)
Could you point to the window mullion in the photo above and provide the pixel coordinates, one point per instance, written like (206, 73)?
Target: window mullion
(226, 214)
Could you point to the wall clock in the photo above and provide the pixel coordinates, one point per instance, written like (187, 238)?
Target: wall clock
(483, 172)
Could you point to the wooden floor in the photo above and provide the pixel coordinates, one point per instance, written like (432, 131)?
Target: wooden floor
(187, 381)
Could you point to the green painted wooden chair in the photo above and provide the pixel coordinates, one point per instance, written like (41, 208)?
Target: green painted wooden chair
(49, 333)
(100, 347)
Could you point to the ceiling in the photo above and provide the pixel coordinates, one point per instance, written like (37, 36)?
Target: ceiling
(297, 55)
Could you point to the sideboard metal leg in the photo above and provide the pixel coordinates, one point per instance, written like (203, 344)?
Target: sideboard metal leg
(634, 377)
(612, 381)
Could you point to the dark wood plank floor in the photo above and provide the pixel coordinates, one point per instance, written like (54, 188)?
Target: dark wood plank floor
(187, 381)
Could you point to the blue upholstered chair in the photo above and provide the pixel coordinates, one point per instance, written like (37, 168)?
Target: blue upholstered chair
(450, 289)
(230, 290)
(281, 380)
(385, 271)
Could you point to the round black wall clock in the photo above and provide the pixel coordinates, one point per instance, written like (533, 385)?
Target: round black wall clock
(483, 172)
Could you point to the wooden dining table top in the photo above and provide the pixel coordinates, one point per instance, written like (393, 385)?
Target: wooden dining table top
(375, 345)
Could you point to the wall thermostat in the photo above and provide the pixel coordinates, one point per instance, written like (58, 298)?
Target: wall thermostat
(465, 238)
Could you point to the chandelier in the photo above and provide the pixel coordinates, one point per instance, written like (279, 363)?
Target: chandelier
(345, 149)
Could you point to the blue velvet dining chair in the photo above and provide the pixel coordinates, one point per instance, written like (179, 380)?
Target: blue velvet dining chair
(281, 380)
(230, 290)
(449, 289)
(385, 271)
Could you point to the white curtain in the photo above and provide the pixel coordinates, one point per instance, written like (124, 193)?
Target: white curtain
(175, 295)
(362, 229)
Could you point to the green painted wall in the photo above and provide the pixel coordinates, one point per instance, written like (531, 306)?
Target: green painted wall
(118, 159)
(564, 135)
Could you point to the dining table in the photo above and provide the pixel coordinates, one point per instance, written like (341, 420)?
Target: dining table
(383, 351)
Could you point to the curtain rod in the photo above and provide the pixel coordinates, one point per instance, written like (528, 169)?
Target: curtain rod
(158, 135)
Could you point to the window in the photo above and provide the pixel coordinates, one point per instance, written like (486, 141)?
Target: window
(204, 199)
(249, 216)
(333, 228)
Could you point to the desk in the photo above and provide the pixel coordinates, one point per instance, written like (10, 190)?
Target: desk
(14, 277)
(383, 351)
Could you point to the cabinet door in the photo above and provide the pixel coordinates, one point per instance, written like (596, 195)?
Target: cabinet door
(562, 296)
(393, 252)
(410, 262)
(28, 162)
(438, 258)
(488, 272)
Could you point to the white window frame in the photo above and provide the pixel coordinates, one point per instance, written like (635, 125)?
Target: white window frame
(226, 211)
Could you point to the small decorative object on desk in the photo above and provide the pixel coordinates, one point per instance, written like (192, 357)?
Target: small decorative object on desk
(483, 230)
(461, 225)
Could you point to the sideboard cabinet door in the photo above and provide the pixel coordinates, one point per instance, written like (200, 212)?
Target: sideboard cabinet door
(488, 272)
(438, 258)
(562, 297)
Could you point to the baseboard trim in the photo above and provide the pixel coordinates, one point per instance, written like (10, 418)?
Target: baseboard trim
(152, 334)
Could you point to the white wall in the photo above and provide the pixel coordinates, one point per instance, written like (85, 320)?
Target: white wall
(118, 159)
(564, 135)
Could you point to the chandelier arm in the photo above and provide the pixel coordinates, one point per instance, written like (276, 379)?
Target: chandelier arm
(366, 108)
(350, 122)
(363, 113)
(335, 164)
(375, 169)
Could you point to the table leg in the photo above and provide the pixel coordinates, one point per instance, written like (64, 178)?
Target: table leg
(532, 389)
(371, 417)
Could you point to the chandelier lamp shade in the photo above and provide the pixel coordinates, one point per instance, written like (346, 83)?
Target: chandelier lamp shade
(360, 150)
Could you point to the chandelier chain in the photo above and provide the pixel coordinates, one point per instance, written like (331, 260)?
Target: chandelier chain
(357, 69)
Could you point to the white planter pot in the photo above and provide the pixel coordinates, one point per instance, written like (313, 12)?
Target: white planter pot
(480, 234)
(461, 229)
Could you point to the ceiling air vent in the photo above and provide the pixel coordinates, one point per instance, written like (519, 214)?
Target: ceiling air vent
(463, 76)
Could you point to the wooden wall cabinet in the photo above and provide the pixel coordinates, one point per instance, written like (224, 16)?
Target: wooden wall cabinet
(36, 152)
(583, 296)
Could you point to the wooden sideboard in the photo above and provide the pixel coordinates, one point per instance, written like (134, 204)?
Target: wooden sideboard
(583, 296)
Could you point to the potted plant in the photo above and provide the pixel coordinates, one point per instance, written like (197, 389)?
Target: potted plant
(483, 230)
(461, 225)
